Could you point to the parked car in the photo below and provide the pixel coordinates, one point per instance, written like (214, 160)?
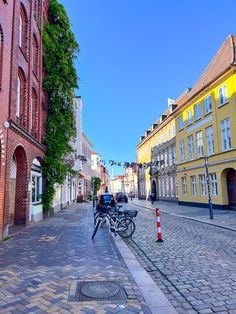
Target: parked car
(121, 197)
(105, 199)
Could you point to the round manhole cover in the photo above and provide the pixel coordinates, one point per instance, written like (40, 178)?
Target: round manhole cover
(100, 290)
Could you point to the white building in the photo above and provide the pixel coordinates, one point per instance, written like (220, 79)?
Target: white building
(67, 193)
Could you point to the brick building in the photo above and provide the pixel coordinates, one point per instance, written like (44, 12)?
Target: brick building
(23, 111)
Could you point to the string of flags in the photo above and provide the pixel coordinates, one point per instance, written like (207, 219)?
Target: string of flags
(126, 164)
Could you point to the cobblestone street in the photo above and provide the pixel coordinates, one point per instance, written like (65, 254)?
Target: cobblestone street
(195, 266)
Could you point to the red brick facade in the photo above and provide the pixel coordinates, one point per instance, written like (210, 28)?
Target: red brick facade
(22, 103)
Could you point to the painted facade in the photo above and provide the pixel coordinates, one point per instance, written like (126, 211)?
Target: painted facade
(206, 126)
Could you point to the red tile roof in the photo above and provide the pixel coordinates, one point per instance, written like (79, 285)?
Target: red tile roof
(224, 58)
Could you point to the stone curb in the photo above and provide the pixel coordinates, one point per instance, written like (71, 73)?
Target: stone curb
(153, 296)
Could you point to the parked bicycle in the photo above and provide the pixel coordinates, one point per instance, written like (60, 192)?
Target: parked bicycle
(118, 221)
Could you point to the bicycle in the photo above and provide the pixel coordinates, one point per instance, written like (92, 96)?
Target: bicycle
(123, 226)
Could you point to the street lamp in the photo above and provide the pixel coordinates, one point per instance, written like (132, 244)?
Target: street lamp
(208, 187)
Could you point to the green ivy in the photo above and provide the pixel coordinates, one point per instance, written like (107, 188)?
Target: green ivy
(59, 52)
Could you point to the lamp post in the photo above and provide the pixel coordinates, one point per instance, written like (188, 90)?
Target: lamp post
(208, 188)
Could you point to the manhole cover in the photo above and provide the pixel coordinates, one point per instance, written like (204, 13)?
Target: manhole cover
(100, 290)
(96, 290)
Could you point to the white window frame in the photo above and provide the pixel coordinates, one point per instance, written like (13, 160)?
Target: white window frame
(176, 187)
(171, 187)
(198, 112)
(184, 185)
(207, 105)
(182, 150)
(193, 185)
(170, 156)
(159, 187)
(225, 135)
(181, 122)
(163, 187)
(210, 140)
(203, 184)
(191, 147)
(167, 187)
(199, 141)
(38, 187)
(213, 183)
(189, 117)
(18, 97)
(173, 130)
(223, 95)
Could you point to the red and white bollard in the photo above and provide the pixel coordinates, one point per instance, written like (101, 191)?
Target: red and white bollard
(159, 235)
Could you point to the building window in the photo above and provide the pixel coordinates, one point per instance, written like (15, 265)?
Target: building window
(162, 160)
(18, 96)
(168, 134)
(213, 182)
(23, 30)
(159, 186)
(166, 159)
(174, 155)
(223, 95)
(210, 140)
(176, 187)
(189, 117)
(164, 137)
(207, 105)
(167, 187)
(191, 147)
(181, 122)
(225, 134)
(199, 144)
(170, 156)
(163, 187)
(161, 139)
(36, 190)
(34, 114)
(173, 131)
(1, 54)
(202, 180)
(171, 187)
(35, 56)
(184, 185)
(182, 151)
(36, 10)
(197, 111)
(194, 185)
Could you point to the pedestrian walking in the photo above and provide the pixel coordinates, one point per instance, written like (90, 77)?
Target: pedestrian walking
(131, 196)
(152, 197)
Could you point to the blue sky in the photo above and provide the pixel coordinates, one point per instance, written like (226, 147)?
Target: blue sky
(134, 54)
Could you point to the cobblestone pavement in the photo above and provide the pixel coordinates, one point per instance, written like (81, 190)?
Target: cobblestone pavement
(39, 266)
(195, 266)
(223, 218)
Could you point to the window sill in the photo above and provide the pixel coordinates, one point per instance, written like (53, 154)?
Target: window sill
(222, 105)
(207, 113)
(37, 203)
(197, 119)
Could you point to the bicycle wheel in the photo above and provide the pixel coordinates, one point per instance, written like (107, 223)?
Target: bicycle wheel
(99, 220)
(95, 216)
(125, 227)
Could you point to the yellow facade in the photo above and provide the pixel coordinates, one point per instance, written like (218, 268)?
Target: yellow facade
(162, 133)
(221, 120)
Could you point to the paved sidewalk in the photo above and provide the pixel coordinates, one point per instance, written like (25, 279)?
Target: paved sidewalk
(222, 218)
(41, 265)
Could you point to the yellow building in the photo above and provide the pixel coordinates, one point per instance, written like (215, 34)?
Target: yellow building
(206, 126)
(162, 131)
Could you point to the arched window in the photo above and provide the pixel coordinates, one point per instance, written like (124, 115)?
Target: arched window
(23, 30)
(20, 98)
(35, 55)
(36, 10)
(1, 54)
(33, 121)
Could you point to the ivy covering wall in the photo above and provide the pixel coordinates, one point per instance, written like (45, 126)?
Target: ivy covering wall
(59, 52)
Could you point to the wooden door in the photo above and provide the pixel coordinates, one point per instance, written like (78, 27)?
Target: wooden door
(231, 185)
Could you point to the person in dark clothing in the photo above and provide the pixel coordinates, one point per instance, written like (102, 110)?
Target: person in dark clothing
(152, 197)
